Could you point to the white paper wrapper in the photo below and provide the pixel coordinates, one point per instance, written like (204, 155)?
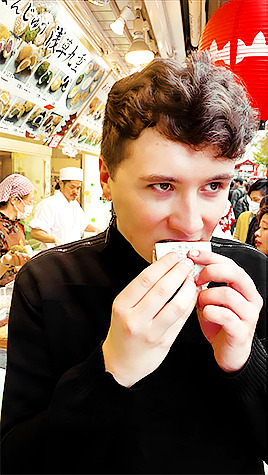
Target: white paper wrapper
(162, 248)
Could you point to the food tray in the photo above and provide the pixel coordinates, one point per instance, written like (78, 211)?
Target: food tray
(83, 86)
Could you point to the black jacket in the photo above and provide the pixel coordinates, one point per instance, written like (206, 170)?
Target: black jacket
(235, 196)
(62, 413)
(241, 206)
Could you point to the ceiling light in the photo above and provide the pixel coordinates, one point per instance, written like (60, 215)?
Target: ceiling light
(119, 24)
(139, 52)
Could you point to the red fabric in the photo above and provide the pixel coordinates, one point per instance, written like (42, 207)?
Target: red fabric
(228, 219)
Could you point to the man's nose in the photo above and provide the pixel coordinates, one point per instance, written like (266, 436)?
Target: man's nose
(185, 216)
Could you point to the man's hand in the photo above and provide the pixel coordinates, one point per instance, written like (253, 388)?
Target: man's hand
(57, 241)
(228, 314)
(15, 259)
(147, 317)
(45, 237)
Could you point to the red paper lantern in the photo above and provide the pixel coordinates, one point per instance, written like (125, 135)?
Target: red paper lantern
(237, 33)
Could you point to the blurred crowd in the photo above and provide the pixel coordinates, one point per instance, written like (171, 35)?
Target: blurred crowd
(245, 218)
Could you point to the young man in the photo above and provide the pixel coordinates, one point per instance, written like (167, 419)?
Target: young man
(60, 219)
(120, 365)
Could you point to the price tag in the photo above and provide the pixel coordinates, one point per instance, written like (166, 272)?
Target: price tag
(182, 248)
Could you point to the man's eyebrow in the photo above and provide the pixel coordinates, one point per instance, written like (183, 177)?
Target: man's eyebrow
(172, 179)
(222, 176)
(159, 178)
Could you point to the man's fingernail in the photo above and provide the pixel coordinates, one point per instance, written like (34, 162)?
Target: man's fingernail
(194, 253)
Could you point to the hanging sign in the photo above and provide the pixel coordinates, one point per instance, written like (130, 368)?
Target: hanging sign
(46, 74)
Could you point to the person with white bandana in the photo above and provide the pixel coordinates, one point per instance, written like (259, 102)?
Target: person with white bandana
(247, 224)
(16, 203)
(60, 219)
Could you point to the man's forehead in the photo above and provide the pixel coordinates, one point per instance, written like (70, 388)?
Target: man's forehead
(75, 183)
(152, 155)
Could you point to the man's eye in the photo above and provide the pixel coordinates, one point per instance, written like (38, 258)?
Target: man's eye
(214, 186)
(162, 186)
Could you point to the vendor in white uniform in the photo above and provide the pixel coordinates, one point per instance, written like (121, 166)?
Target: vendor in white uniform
(60, 219)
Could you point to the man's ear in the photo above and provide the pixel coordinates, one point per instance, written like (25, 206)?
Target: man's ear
(104, 179)
(61, 184)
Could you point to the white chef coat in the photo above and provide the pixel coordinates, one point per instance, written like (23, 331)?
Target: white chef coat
(59, 217)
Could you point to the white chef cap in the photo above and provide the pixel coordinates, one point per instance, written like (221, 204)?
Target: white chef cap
(71, 173)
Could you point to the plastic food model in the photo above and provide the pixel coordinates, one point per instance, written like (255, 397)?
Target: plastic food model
(2, 45)
(26, 59)
(36, 117)
(9, 46)
(65, 83)
(73, 92)
(7, 42)
(51, 122)
(28, 106)
(5, 97)
(4, 32)
(75, 131)
(45, 75)
(4, 102)
(18, 248)
(56, 84)
(80, 78)
(16, 110)
(84, 95)
(84, 135)
(45, 78)
(42, 69)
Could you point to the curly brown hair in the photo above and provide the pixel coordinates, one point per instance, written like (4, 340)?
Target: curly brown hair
(196, 103)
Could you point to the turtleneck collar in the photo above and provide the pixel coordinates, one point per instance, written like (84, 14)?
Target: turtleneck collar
(122, 252)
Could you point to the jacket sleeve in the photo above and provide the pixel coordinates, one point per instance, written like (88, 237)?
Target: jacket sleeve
(48, 418)
(249, 388)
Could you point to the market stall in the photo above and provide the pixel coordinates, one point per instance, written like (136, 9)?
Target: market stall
(53, 89)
